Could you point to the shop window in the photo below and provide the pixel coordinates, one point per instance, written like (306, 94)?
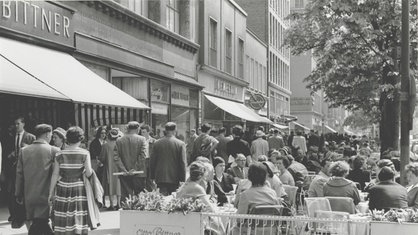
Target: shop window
(240, 58)
(138, 6)
(213, 34)
(228, 51)
(172, 16)
(181, 116)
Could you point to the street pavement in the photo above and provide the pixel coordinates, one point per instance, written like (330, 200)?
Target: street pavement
(109, 224)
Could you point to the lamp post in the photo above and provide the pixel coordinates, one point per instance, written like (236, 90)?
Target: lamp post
(405, 91)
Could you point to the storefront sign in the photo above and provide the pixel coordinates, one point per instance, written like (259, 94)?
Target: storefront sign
(256, 101)
(38, 18)
(157, 108)
(180, 95)
(149, 229)
(159, 91)
(225, 88)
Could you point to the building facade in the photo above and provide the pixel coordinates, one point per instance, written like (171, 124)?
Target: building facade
(145, 48)
(266, 19)
(222, 39)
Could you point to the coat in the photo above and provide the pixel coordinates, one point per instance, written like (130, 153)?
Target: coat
(168, 161)
(275, 142)
(341, 187)
(236, 172)
(226, 182)
(33, 178)
(132, 151)
(259, 147)
(95, 149)
(10, 166)
(94, 194)
(111, 183)
(387, 194)
(221, 148)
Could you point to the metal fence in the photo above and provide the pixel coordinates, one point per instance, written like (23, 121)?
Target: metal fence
(234, 224)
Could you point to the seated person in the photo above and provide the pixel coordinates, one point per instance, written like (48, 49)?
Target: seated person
(412, 190)
(239, 171)
(213, 188)
(387, 193)
(297, 170)
(259, 193)
(379, 165)
(359, 174)
(282, 163)
(316, 188)
(225, 180)
(193, 186)
(274, 180)
(338, 185)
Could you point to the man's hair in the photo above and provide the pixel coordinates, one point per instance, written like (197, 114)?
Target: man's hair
(170, 126)
(205, 127)
(257, 174)
(237, 130)
(21, 118)
(42, 129)
(133, 125)
(222, 130)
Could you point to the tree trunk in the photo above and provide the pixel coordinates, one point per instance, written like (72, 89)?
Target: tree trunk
(389, 124)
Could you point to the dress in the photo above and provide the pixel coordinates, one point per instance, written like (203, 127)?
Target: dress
(70, 206)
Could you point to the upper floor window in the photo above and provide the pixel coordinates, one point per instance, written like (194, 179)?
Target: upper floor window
(213, 35)
(240, 58)
(137, 6)
(228, 51)
(173, 15)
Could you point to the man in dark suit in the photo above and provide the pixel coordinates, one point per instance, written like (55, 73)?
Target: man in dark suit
(238, 145)
(205, 144)
(221, 147)
(239, 171)
(313, 140)
(21, 138)
(168, 161)
(131, 155)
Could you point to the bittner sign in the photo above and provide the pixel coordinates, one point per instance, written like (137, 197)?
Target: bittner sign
(38, 18)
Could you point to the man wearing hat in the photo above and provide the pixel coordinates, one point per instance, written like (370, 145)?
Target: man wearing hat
(33, 179)
(259, 146)
(168, 161)
(132, 150)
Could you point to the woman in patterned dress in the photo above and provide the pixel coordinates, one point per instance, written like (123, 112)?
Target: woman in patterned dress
(67, 192)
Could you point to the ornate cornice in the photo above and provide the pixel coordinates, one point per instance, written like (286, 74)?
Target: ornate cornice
(119, 12)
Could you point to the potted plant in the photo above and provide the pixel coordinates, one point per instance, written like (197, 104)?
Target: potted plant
(152, 213)
(400, 221)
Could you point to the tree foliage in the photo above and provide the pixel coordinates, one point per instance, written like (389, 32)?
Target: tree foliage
(356, 46)
(358, 120)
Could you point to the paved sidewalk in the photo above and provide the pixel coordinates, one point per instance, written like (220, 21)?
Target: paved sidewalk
(109, 224)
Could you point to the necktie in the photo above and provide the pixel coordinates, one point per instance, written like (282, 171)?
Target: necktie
(17, 147)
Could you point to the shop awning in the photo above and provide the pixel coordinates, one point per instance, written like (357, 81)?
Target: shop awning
(301, 126)
(280, 126)
(329, 129)
(237, 109)
(15, 81)
(66, 75)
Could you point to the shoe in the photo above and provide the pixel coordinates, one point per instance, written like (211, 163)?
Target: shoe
(17, 224)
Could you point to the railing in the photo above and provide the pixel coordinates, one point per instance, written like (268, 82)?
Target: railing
(235, 224)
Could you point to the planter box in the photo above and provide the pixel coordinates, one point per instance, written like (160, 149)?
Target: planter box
(149, 223)
(379, 228)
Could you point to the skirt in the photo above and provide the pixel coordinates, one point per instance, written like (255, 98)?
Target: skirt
(70, 208)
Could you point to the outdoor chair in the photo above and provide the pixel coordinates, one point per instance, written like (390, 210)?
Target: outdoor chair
(344, 204)
(340, 228)
(316, 203)
(291, 192)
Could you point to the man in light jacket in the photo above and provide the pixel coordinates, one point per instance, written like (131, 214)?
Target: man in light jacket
(132, 150)
(33, 179)
(168, 161)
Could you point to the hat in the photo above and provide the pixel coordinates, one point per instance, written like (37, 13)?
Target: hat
(285, 150)
(271, 167)
(259, 134)
(384, 162)
(218, 160)
(60, 132)
(114, 133)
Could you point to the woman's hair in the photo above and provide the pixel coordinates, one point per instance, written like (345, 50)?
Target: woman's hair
(386, 173)
(358, 162)
(262, 158)
(74, 135)
(339, 168)
(412, 167)
(257, 174)
(99, 131)
(285, 160)
(270, 168)
(197, 170)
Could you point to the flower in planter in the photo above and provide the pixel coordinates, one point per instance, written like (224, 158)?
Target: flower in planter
(396, 215)
(145, 201)
(185, 205)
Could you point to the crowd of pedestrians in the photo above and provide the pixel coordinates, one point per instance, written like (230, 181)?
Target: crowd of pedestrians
(51, 173)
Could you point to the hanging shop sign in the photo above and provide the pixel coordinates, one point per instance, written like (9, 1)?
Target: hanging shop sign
(225, 88)
(180, 95)
(256, 101)
(47, 20)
